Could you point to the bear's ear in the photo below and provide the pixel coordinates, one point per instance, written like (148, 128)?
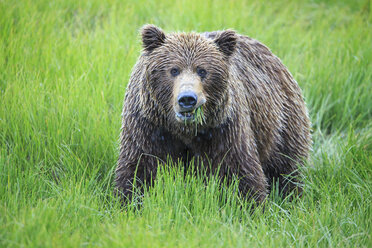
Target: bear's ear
(152, 37)
(226, 42)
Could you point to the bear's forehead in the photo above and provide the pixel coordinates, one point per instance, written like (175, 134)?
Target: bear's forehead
(192, 46)
(189, 41)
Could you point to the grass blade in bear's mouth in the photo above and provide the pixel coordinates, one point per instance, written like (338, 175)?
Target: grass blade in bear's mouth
(196, 115)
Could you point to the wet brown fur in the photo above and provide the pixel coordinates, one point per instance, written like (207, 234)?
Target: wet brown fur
(256, 122)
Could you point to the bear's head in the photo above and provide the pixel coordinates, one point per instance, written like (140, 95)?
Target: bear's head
(188, 72)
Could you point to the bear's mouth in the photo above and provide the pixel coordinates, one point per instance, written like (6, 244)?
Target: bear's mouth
(195, 115)
(186, 116)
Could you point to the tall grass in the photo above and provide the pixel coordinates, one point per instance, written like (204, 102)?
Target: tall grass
(64, 66)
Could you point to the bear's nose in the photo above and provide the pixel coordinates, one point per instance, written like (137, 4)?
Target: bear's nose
(187, 100)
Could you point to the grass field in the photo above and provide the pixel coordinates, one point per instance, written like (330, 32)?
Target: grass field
(64, 66)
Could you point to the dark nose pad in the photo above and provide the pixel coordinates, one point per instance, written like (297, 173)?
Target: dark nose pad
(187, 100)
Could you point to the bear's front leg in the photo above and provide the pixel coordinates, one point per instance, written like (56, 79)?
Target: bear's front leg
(135, 168)
(143, 146)
(233, 156)
(248, 171)
(138, 159)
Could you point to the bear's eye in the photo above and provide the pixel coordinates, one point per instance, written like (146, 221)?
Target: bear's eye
(175, 71)
(201, 72)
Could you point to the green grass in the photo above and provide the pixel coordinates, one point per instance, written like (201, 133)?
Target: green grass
(64, 66)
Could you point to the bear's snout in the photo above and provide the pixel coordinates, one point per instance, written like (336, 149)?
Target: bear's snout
(188, 96)
(187, 100)
(186, 105)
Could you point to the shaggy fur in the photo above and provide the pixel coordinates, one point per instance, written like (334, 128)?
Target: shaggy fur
(256, 122)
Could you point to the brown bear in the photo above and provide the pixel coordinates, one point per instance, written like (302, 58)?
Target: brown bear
(254, 125)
